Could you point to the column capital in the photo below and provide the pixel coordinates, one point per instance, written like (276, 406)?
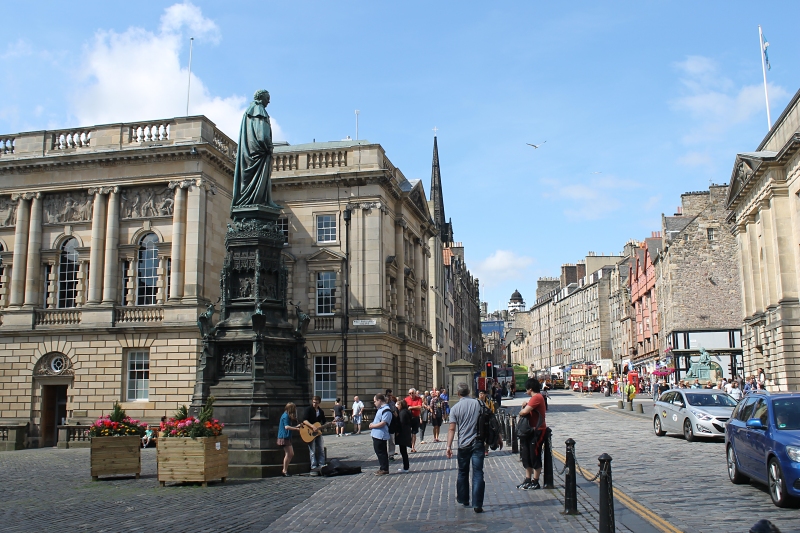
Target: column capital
(181, 184)
(401, 222)
(25, 196)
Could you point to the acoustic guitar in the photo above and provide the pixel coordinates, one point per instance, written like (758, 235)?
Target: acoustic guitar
(309, 431)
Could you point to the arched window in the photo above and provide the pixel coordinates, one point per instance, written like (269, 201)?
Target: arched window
(68, 274)
(147, 270)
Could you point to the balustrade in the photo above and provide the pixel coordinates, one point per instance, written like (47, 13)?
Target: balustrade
(143, 133)
(284, 162)
(336, 158)
(74, 436)
(323, 323)
(129, 315)
(3, 434)
(6, 145)
(64, 140)
(225, 145)
(57, 317)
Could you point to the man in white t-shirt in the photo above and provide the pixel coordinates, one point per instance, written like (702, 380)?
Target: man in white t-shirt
(358, 411)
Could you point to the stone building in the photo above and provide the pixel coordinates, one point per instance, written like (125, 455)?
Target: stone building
(698, 285)
(465, 337)
(642, 281)
(621, 309)
(111, 240)
(765, 213)
(516, 303)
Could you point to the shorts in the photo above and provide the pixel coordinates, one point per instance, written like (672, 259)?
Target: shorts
(357, 419)
(414, 425)
(284, 442)
(436, 421)
(339, 422)
(530, 451)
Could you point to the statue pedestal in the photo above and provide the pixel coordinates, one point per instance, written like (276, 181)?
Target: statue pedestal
(253, 360)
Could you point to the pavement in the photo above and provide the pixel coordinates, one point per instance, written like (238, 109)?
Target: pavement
(661, 484)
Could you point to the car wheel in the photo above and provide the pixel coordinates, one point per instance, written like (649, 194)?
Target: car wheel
(657, 429)
(733, 470)
(688, 433)
(777, 484)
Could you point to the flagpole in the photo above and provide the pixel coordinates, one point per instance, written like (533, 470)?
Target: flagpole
(764, 72)
(189, 84)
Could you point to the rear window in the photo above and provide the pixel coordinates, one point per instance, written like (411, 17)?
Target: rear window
(711, 399)
(786, 413)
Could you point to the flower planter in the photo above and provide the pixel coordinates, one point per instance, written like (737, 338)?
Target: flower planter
(111, 456)
(200, 460)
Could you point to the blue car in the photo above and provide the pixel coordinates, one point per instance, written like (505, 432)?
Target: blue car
(762, 442)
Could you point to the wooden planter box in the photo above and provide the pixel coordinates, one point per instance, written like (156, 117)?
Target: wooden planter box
(112, 456)
(192, 460)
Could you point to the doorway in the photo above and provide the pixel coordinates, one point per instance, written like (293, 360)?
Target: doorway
(54, 412)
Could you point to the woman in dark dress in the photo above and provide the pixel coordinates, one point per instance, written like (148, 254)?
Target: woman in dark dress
(403, 437)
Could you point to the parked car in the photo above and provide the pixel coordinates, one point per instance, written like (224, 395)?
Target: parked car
(693, 412)
(762, 443)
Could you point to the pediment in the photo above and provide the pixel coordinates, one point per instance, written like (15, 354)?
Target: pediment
(288, 257)
(326, 255)
(410, 275)
(746, 166)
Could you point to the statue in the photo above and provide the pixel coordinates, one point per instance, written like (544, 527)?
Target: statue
(302, 321)
(204, 321)
(251, 179)
(701, 370)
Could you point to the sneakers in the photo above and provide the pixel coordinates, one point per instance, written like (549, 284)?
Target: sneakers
(535, 485)
(381, 472)
(422, 442)
(478, 509)
(402, 471)
(525, 485)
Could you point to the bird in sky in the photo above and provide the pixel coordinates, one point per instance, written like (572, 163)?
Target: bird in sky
(536, 146)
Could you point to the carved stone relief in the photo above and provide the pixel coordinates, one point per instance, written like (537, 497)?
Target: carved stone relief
(278, 361)
(54, 364)
(237, 361)
(72, 206)
(8, 211)
(145, 202)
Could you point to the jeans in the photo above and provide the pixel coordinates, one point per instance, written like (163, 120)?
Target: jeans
(391, 445)
(474, 454)
(379, 445)
(316, 449)
(422, 426)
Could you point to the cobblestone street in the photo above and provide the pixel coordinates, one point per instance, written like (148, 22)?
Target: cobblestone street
(684, 483)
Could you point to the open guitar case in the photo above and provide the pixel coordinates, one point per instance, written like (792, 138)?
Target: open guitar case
(337, 468)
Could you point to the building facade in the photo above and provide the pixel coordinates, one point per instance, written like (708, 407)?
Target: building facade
(642, 281)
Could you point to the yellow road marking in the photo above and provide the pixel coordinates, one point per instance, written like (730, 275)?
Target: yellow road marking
(656, 521)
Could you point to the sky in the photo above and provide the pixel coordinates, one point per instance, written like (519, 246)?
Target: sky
(635, 102)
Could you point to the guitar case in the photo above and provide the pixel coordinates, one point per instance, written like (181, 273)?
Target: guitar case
(337, 468)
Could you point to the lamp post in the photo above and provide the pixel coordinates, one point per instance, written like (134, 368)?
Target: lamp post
(346, 215)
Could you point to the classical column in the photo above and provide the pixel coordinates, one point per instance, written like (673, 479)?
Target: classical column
(111, 271)
(95, 295)
(20, 249)
(400, 258)
(178, 240)
(34, 266)
(419, 271)
(195, 241)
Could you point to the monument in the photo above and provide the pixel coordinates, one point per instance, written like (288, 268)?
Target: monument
(253, 359)
(701, 370)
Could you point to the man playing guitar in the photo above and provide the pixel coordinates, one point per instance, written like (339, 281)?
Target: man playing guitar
(316, 448)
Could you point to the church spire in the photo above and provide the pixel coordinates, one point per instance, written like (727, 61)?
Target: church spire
(437, 198)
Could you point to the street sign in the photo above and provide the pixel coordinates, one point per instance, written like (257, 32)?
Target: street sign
(365, 322)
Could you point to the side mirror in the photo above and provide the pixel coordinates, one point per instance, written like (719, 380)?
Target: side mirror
(755, 423)
(680, 404)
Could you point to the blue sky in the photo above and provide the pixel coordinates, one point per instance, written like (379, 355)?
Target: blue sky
(638, 101)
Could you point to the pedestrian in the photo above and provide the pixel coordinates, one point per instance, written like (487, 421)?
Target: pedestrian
(464, 417)
(513, 389)
(696, 384)
(762, 379)
(316, 448)
(286, 425)
(735, 392)
(338, 417)
(358, 412)
(437, 414)
(630, 392)
(390, 402)
(531, 447)
(424, 416)
(446, 402)
(414, 404)
(379, 430)
(498, 395)
(487, 401)
(403, 437)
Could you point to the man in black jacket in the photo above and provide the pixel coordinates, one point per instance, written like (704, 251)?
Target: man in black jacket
(316, 448)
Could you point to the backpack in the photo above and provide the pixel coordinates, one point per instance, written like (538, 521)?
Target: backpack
(524, 429)
(394, 425)
(488, 427)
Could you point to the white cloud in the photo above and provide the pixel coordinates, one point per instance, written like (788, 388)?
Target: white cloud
(714, 101)
(696, 159)
(592, 200)
(17, 49)
(501, 266)
(137, 75)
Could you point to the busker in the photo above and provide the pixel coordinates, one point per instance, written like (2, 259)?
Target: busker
(379, 429)
(316, 448)
(285, 428)
(403, 438)
(464, 417)
(531, 447)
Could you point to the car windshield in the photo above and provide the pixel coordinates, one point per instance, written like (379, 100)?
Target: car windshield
(711, 399)
(787, 413)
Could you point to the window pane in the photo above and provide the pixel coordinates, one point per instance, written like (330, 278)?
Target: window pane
(68, 274)
(138, 375)
(147, 271)
(325, 377)
(283, 225)
(326, 228)
(326, 293)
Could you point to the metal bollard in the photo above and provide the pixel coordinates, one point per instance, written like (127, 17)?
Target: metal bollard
(548, 460)
(571, 481)
(606, 496)
(514, 443)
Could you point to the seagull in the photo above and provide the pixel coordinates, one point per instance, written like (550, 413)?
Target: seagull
(536, 146)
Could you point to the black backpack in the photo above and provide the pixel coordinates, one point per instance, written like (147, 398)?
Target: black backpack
(488, 427)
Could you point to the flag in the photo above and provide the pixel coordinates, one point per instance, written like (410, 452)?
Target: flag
(471, 349)
(764, 47)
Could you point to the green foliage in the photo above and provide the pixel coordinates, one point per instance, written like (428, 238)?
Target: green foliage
(117, 414)
(207, 412)
(182, 413)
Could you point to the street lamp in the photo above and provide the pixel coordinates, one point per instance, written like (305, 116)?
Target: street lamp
(346, 216)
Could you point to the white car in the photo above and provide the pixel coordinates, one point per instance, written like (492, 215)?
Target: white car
(692, 412)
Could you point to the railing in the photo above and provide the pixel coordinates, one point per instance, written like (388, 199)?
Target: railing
(73, 436)
(63, 140)
(3, 434)
(324, 323)
(143, 133)
(130, 315)
(336, 158)
(57, 317)
(6, 145)
(225, 145)
(284, 162)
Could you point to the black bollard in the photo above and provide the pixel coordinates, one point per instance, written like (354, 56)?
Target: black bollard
(514, 443)
(571, 481)
(606, 495)
(548, 459)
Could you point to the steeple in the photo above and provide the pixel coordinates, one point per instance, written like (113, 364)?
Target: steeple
(437, 198)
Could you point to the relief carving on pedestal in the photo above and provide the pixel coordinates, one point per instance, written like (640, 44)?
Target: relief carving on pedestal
(237, 361)
(72, 206)
(278, 361)
(8, 211)
(146, 202)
